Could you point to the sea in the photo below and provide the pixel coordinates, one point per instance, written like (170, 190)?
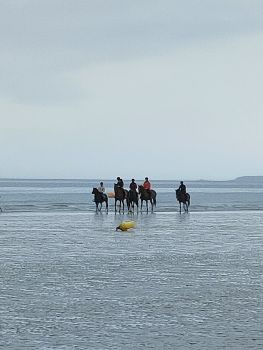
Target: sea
(69, 280)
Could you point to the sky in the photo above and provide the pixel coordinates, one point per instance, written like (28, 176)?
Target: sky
(167, 89)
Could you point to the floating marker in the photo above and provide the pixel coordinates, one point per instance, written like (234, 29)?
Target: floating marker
(126, 225)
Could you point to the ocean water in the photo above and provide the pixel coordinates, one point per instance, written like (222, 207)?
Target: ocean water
(75, 195)
(68, 280)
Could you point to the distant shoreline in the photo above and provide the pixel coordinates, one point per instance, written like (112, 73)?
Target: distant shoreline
(240, 179)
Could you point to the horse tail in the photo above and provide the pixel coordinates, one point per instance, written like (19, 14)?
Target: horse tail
(154, 198)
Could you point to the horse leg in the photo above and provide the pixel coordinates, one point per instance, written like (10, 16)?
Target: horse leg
(180, 207)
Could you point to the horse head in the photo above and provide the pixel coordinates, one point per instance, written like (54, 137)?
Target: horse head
(95, 190)
(140, 189)
(145, 194)
(100, 197)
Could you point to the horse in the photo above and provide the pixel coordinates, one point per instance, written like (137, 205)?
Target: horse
(146, 195)
(120, 195)
(99, 198)
(183, 198)
(132, 200)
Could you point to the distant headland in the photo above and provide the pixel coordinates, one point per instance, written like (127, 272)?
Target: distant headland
(249, 179)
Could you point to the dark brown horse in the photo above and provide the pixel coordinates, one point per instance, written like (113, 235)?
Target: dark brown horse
(183, 198)
(133, 200)
(147, 195)
(120, 196)
(99, 198)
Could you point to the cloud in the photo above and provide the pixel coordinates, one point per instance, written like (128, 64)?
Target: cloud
(44, 42)
(93, 87)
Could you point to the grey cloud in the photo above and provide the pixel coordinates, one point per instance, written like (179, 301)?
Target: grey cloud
(96, 27)
(42, 40)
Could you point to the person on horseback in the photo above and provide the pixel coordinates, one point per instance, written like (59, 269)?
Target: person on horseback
(181, 192)
(120, 184)
(182, 187)
(133, 185)
(133, 188)
(147, 186)
(101, 190)
(182, 196)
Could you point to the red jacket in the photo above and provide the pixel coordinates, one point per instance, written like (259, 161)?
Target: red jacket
(147, 185)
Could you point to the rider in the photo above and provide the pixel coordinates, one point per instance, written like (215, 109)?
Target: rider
(181, 191)
(182, 187)
(133, 185)
(147, 185)
(101, 190)
(120, 184)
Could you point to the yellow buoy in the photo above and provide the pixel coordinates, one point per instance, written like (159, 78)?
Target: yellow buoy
(125, 225)
(111, 194)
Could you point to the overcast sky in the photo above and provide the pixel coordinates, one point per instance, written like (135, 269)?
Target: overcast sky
(167, 89)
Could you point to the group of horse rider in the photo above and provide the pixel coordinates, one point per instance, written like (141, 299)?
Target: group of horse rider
(134, 187)
(120, 184)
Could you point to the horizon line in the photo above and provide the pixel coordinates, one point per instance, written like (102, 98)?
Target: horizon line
(111, 179)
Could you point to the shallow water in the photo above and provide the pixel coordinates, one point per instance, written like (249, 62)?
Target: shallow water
(75, 195)
(189, 281)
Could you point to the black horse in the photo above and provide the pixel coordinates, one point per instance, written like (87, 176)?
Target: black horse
(147, 195)
(183, 198)
(133, 200)
(120, 195)
(99, 198)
